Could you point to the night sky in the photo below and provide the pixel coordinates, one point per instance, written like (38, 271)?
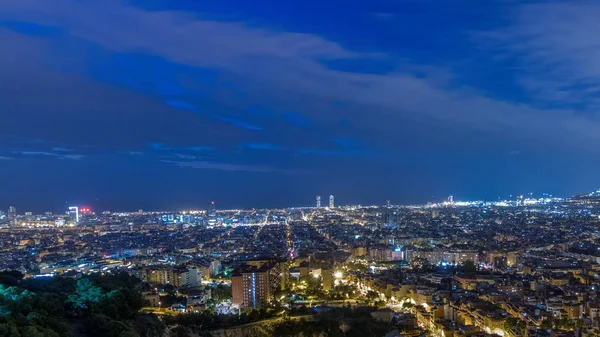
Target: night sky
(164, 104)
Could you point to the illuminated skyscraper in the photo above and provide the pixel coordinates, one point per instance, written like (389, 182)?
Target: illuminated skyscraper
(331, 202)
(212, 214)
(253, 286)
(12, 215)
(318, 201)
(74, 212)
(12, 212)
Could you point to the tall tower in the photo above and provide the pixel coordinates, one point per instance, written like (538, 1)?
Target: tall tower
(318, 201)
(74, 212)
(12, 215)
(212, 214)
(12, 212)
(331, 202)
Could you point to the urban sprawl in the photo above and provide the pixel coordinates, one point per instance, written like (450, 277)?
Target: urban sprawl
(520, 267)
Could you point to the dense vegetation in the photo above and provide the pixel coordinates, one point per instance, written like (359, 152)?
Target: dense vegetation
(95, 305)
(208, 320)
(109, 305)
(304, 322)
(340, 322)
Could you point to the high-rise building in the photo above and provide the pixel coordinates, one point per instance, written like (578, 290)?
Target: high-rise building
(215, 268)
(327, 279)
(12, 212)
(318, 201)
(12, 215)
(331, 202)
(389, 217)
(212, 214)
(254, 284)
(74, 213)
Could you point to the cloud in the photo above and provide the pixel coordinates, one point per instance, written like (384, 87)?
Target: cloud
(346, 142)
(36, 153)
(348, 149)
(262, 146)
(230, 120)
(181, 105)
(286, 69)
(335, 152)
(175, 35)
(6, 158)
(296, 119)
(72, 156)
(162, 147)
(557, 47)
(383, 16)
(199, 148)
(61, 149)
(159, 147)
(135, 153)
(184, 156)
(237, 122)
(51, 154)
(222, 166)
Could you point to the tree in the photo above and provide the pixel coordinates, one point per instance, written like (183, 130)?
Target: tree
(469, 266)
(514, 324)
(372, 295)
(546, 324)
(85, 294)
(11, 278)
(221, 292)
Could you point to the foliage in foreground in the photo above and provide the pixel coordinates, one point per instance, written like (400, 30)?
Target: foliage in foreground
(95, 305)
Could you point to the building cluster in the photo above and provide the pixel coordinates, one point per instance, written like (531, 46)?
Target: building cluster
(454, 269)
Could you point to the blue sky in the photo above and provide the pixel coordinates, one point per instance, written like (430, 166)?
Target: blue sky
(170, 104)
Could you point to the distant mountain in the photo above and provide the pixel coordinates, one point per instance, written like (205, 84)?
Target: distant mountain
(590, 198)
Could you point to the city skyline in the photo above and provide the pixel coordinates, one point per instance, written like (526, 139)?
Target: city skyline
(271, 103)
(214, 206)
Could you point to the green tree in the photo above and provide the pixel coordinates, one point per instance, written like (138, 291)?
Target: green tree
(85, 294)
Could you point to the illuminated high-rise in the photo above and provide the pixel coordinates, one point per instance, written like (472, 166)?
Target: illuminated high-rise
(12, 212)
(12, 215)
(212, 214)
(331, 202)
(74, 213)
(254, 285)
(318, 201)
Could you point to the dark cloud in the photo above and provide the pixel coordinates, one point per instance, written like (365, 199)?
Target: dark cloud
(168, 98)
(222, 166)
